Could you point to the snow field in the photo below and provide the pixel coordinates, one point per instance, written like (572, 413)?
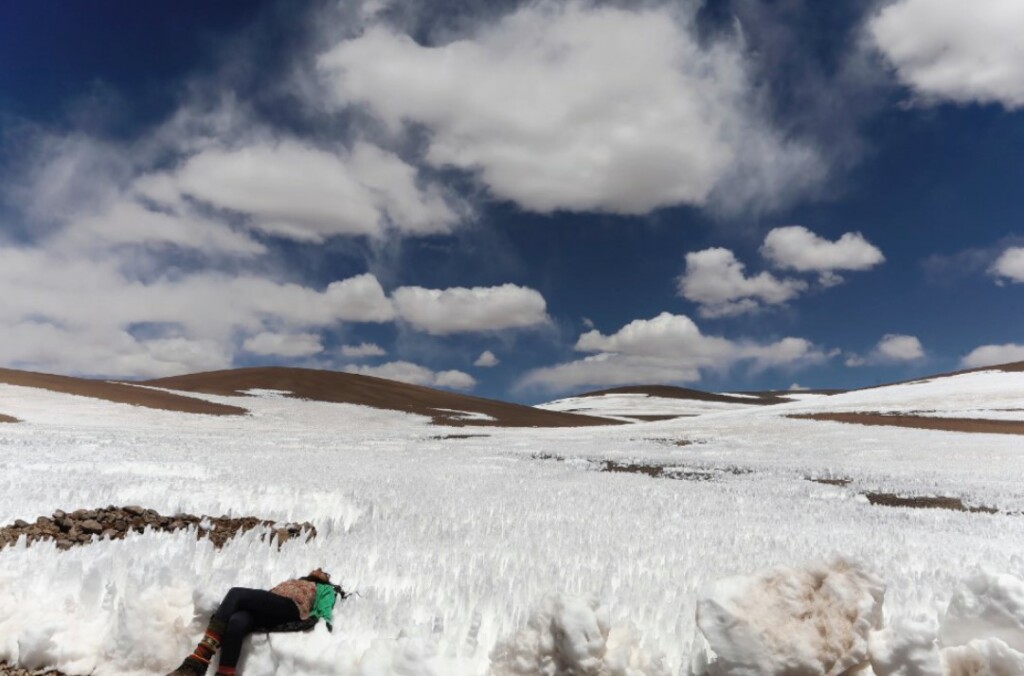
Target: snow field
(624, 405)
(465, 548)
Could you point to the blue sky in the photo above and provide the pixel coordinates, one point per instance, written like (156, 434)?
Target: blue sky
(515, 200)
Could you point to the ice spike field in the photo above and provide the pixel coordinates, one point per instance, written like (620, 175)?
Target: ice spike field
(514, 551)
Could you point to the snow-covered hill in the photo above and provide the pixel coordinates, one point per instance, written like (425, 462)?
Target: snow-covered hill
(590, 547)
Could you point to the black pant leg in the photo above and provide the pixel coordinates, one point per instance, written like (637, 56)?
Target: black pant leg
(250, 608)
(239, 626)
(231, 602)
(269, 610)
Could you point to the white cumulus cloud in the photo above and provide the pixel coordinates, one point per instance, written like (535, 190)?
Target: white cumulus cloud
(665, 349)
(293, 190)
(127, 222)
(414, 374)
(580, 107)
(891, 348)
(794, 247)
(991, 355)
(72, 314)
(949, 50)
(363, 350)
(717, 282)
(486, 360)
(463, 310)
(283, 344)
(1009, 265)
(897, 347)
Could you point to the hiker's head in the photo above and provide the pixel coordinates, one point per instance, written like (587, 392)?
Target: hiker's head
(320, 574)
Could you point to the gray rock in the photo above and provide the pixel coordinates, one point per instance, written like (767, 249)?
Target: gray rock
(91, 526)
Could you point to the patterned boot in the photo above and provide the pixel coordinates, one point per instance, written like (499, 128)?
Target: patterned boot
(197, 663)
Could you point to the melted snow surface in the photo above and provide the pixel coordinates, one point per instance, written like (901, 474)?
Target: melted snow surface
(505, 552)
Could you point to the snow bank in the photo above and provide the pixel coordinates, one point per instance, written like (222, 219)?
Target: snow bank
(987, 657)
(986, 605)
(810, 620)
(825, 619)
(907, 647)
(571, 636)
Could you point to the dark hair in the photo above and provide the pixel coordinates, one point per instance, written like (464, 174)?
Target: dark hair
(337, 587)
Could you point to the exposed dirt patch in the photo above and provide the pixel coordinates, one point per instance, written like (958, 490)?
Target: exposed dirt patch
(676, 442)
(831, 482)
(656, 471)
(672, 392)
(8, 419)
(120, 393)
(931, 502)
(784, 394)
(972, 425)
(349, 388)
(914, 502)
(84, 526)
(678, 472)
(459, 436)
(8, 670)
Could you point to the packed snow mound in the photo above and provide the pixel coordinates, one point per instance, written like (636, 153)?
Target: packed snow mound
(572, 636)
(907, 647)
(983, 657)
(986, 605)
(792, 621)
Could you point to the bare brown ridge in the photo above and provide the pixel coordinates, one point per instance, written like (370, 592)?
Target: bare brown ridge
(673, 392)
(7, 419)
(350, 388)
(974, 425)
(120, 393)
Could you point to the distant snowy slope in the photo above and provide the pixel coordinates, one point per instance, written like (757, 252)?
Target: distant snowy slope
(190, 394)
(349, 388)
(992, 394)
(639, 406)
(657, 402)
(115, 392)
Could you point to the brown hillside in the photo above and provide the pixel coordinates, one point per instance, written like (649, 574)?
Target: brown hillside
(117, 392)
(672, 392)
(7, 419)
(349, 388)
(975, 425)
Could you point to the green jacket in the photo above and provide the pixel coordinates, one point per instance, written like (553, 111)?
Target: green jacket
(323, 606)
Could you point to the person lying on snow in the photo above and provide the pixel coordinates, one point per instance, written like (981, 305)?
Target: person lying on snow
(295, 605)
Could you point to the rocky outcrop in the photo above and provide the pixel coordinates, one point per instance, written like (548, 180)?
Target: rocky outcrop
(83, 526)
